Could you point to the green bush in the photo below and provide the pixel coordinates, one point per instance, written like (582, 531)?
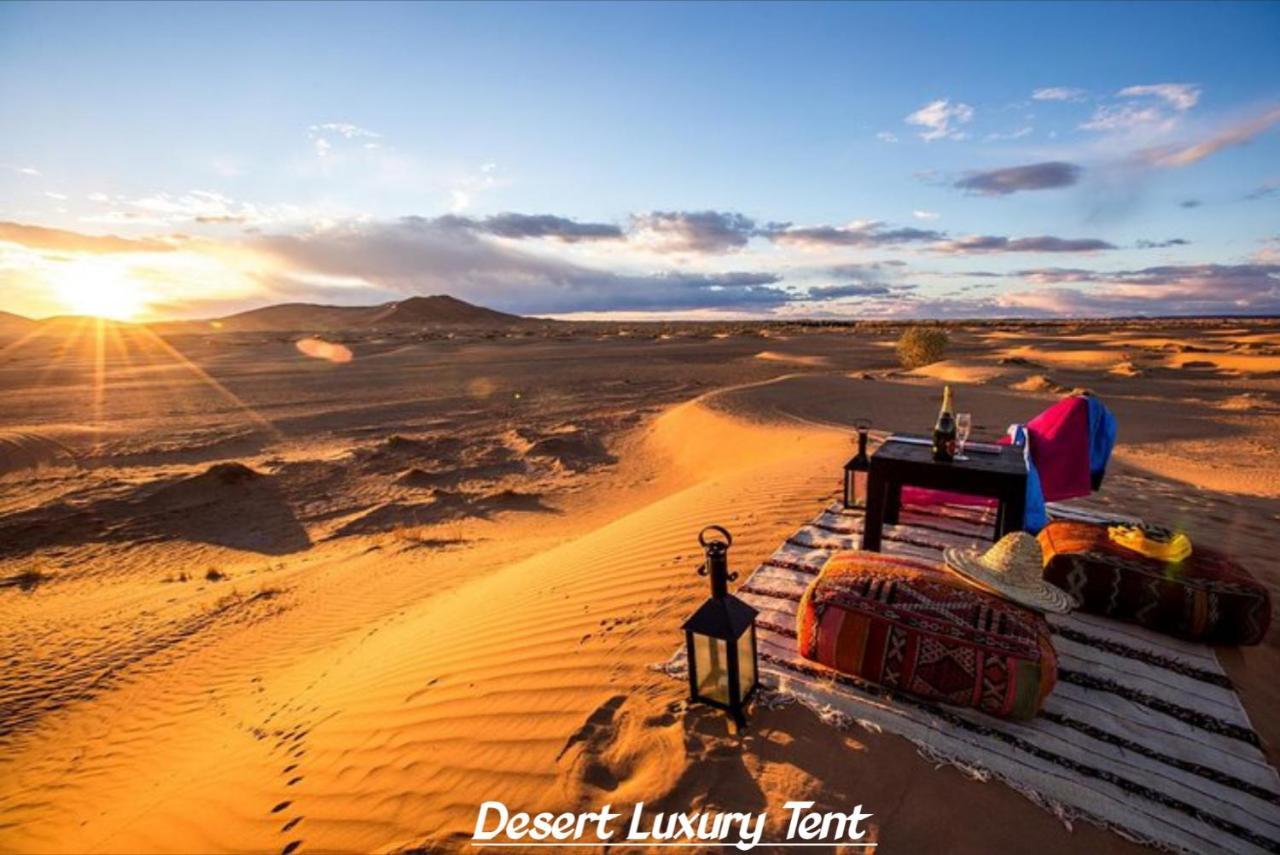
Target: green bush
(921, 345)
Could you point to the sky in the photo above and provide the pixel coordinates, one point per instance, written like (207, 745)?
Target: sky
(705, 160)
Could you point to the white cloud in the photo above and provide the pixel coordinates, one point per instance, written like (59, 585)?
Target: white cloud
(1179, 96)
(22, 170)
(202, 207)
(940, 119)
(345, 129)
(1058, 93)
(887, 136)
(323, 147)
(61, 197)
(925, 215)
(465, 189)
(1127, 118)
(1011, 135)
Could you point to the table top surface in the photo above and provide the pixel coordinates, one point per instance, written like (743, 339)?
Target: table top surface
(1009, 461)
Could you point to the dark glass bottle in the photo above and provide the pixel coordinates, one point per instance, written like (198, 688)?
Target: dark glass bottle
(944, 431)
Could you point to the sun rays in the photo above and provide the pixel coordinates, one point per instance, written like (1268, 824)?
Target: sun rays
(104, 352)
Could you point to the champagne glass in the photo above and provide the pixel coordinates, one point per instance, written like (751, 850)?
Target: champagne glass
(964, 423)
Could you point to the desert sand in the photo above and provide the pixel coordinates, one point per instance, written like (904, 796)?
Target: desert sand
(263, 597)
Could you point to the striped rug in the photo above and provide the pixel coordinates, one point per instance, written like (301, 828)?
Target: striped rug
(1143, 734)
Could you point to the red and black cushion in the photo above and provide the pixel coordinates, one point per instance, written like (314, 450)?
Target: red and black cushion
(1206, 597)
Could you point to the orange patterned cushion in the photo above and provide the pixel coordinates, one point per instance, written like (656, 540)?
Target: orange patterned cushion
(916, 627)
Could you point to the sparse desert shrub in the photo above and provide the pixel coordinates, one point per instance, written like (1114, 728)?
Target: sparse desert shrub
(215, 575)
(921, 345)
(27, 580)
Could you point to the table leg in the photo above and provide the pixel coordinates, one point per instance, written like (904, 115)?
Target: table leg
(892, 503)
(1012, 515)
(873, 521)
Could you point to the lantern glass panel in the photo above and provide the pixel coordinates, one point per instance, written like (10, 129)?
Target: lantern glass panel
(747, 661)
(859, 497)
(711, 659)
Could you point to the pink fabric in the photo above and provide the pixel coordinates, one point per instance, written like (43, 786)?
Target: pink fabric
(1059, 449)
(921, 496)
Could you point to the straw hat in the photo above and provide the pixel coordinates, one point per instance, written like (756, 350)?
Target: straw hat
(1014, 569)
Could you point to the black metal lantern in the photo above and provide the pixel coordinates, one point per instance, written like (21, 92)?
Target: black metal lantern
(855, 471)
(720, 636)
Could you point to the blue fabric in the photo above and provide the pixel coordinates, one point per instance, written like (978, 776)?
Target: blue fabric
(1102, 439)
(1035, 515)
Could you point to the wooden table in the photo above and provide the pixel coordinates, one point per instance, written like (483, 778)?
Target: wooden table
(1001, 476)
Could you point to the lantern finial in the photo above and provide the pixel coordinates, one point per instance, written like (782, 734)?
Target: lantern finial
(717, 564)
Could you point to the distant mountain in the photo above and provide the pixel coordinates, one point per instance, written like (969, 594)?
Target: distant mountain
(415, 312)
(441, 309)
(11, 324)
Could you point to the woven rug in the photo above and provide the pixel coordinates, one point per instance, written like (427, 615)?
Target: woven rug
(1143, 734)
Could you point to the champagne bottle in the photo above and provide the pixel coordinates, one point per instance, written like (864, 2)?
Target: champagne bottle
(944, 430)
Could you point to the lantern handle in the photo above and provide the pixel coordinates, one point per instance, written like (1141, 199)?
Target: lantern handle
(702, 536)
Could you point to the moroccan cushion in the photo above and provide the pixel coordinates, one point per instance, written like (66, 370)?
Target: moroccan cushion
(915, 627)
(1205, 597)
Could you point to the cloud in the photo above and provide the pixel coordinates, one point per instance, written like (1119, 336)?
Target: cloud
(862, 234)
(1035, 176)
(1179, 96)
(1203, 289)
(693, 231)
(345, 129)
(855, 289)
(1010, 135)
(1263, 191)
(1190, 203)
(1237, 134)
(887, 136)
(925, 215)
(195, 206)
(418, 255)
(992, 243)
(59, 240)
(940, 119)
(1125, 117)
(511, 225)
(1058, 93)
(1162, 244)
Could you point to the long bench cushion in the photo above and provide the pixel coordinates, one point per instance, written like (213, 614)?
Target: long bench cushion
(1205, 597)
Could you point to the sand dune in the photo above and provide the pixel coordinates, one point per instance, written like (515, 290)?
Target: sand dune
(793, 358)
(20, 450)
(343, 628)
(961, 371)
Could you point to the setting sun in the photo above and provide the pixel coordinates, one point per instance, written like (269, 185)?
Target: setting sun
(100, 287)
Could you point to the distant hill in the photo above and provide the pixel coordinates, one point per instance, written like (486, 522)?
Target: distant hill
(441, 309)
(436, 311)
(11, 324)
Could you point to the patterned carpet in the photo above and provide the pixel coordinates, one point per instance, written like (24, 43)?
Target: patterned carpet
(1143, 734)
